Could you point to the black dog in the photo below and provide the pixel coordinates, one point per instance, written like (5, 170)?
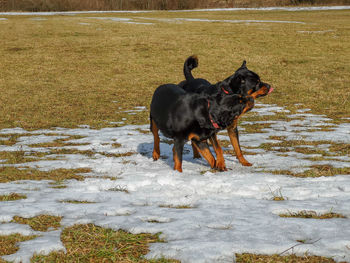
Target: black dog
(243, 81)
(196, 117)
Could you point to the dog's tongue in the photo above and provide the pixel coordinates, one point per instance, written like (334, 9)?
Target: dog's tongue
(271, 89)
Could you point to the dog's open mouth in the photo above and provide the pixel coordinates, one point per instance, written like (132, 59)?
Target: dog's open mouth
(271, 89)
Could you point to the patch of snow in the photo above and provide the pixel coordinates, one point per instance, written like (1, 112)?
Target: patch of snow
(38, 19)
(316, 32)
(43, 245)
(292, 9)
(202, 215)
(12, 228)
(122, 20)
(175, 20)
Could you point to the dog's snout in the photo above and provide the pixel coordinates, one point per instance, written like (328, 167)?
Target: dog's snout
(267, 85)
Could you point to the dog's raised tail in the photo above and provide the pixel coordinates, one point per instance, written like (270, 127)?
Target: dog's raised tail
(190, 63)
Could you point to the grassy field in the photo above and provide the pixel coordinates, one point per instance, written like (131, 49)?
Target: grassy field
(70, 70)
(66, 71)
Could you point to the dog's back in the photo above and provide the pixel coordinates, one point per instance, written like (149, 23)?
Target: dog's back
(163, 100)
(198, 86)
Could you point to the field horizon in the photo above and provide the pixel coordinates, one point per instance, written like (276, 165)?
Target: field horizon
(76, 5)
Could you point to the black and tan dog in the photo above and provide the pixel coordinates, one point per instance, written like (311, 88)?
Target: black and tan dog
(189, 116)
(243, 81)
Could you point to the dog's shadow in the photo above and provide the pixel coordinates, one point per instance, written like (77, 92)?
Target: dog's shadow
(166, 152)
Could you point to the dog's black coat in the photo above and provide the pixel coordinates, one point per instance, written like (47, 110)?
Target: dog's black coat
(178, 114)
(243, 81)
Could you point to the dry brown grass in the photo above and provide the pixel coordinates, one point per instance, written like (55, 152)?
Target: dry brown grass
(20, 156)
(316, 171)
(8, 174)
(253, 258)
(303, 146)
(90, 243)
(10, 139)
(76, 202)
(12, 197)
(60, 142)
(108, 61)
(313, 215)
(40, 223)
(8, 244)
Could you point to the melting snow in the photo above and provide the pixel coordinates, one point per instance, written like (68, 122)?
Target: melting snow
(203, 216)
(176, 20)
(123, 20)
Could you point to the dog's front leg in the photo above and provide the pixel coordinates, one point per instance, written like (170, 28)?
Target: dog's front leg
(233, 134)
(177, 153)
(156, 150)
(220, 161)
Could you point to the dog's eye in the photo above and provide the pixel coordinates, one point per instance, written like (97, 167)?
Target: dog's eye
(242, 81)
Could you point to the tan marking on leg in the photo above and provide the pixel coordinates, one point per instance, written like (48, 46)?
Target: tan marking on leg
(195, 151)
(196, 154)
(220, 161)
(236, 147)
(177, 162)
(193, 136)
(207, 155)
(156, 150)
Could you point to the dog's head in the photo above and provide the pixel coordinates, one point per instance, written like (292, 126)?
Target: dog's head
(246, 82)
(231, 107)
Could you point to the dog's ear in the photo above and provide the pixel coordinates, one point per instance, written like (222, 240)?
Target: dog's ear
(241, 79)
(202, 122)
(234, 83)
(244, 64)
(201, 113)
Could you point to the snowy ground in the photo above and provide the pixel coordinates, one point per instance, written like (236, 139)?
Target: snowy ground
(226, 213)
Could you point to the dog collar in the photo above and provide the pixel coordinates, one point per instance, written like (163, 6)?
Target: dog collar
(223, 89)
(216, 126)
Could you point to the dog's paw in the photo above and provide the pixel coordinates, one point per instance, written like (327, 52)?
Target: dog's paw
(244, 162)
(221, 166)
(196, 156)
(155, 156)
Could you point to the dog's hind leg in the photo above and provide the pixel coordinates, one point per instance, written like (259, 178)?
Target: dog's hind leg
(177, 153)
(156, 150)
(203, 148)
(220, 161)
(196, 154)
(233, 134)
